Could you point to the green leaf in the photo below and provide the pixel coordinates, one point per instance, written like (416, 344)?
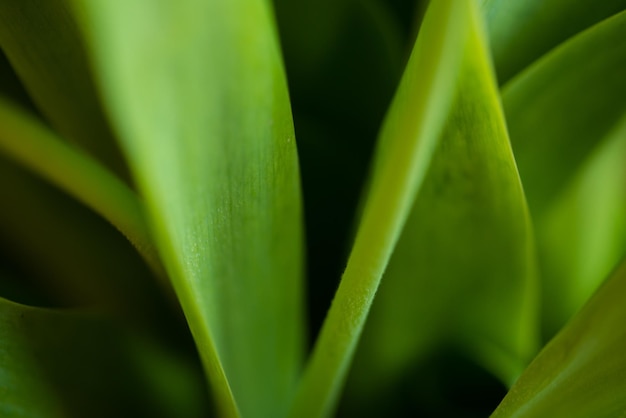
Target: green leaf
(46, 49)
(56, 363)
(27, 141)
(580, 373)
(521, 31)
(407, 142)
(344, 60)
(464, 269)
(197, 93)
(560, 108)
(560, 111)
(81, 260)
(582, 235)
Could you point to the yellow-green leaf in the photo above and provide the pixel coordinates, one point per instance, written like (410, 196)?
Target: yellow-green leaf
(464, 269)
(560, 112)
(521, 31)
(581, 372)
(406, 145)
(565, 104)
(197, 95)
(45, 46)
(582, 236)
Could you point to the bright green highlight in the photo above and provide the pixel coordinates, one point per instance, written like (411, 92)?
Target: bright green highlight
(464, 270)
(581, 235)
(198, 97)
(407, 142)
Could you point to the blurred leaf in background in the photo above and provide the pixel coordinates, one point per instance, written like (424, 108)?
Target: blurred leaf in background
(71, 363)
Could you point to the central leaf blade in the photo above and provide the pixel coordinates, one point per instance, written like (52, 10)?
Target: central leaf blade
(198, 96)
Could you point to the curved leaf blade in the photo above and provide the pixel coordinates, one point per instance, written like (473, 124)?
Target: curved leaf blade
(521, 31)
(552, 127)
(406, 144)
(344, 61)
(45, 47)
(57, 363)
(580, 373)
(27, 141)
(464, 270)
(582, 235)
(81, 259)
(197, 93)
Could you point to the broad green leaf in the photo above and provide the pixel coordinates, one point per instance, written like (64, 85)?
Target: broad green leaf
(464, 269)
(27, 141)
(45, 46)
(197, 94)
(60, 363)
(580, 373)
(407, 142)
(521, 31)
(565, 104)
(583, 235)
(559, 112)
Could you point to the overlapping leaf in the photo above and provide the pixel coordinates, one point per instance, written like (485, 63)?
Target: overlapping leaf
(196, 91)
(580, 373)
(62, 363)
(464, 269)
(521, 31)
(559, 109)
(343, 60)
(45, 46)
(27, 141)
(80, 259)
(583, 234)
(407, 142)
(559, 112)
